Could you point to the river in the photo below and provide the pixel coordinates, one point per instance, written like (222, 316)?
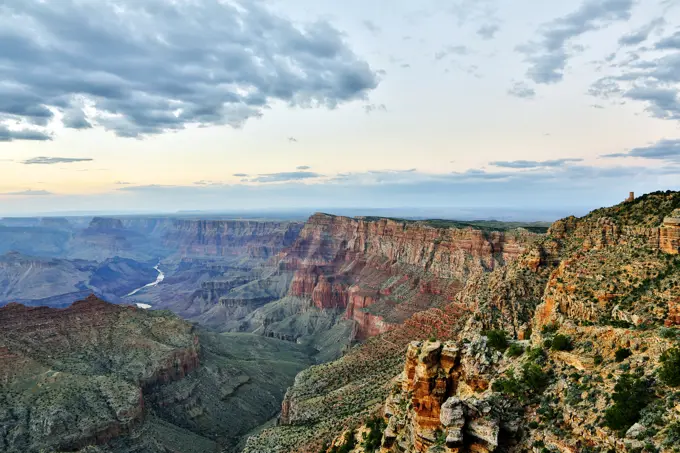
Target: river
(159, 278)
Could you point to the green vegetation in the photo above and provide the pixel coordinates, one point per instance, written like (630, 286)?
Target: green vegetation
(670, 368)
(498, 339)
(598, 359)
(549, 329)
(376, 426)
(561, 343)
(647, 210)
(672, 435)
(483, 225)
(622, 354)
(531, 382)
(515, 350)
(631, 395)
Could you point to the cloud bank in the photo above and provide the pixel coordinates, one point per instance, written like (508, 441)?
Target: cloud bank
(142, 67)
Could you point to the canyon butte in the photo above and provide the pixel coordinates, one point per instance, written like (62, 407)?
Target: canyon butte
(341, 335)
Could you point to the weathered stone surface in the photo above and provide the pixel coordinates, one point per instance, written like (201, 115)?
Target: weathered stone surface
(669, 240)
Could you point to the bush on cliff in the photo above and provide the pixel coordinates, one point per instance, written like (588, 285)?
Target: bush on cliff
(497, 339)
(376, 426)
(631, 395)
(532, 382)
(622, 354)
(670, 368)
(515, 350)
(561, 343)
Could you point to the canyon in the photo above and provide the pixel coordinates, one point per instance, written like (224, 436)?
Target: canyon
(540, 354)
(350, 334)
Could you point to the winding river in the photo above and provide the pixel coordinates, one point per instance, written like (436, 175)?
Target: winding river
(159, 278)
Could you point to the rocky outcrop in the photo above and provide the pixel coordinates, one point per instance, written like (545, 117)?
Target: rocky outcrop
(441, 401)
(669, 240)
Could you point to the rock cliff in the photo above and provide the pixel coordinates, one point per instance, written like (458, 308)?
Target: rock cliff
(252, 239)
(383, 271)
(569, 347)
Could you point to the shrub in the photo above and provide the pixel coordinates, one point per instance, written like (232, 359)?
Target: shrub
(561, 343)
(622, 354)
(598, 359)
(515, 350)
(532, 382)
(536, 355)
(670, 368)
(672, 435)
(668, 333)
(376, 426)
(497, 339)
(631, 395)
(549, 328)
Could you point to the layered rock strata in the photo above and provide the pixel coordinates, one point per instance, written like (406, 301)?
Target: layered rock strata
(383, 271)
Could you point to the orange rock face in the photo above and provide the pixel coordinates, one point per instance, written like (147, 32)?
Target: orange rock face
(669, 237)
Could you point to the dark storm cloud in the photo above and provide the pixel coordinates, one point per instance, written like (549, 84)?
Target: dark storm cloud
(28, 192)
(285, 176)
(149, 66)
(668, 150)
(54, 160)
(534, 163)
(522, 90)
(548, 56)
(641, 34)
(7, 135)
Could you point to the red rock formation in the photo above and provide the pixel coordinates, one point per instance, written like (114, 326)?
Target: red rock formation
(340, 262)
(367, 325)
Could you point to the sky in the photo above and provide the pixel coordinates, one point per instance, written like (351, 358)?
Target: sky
(159, 106)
